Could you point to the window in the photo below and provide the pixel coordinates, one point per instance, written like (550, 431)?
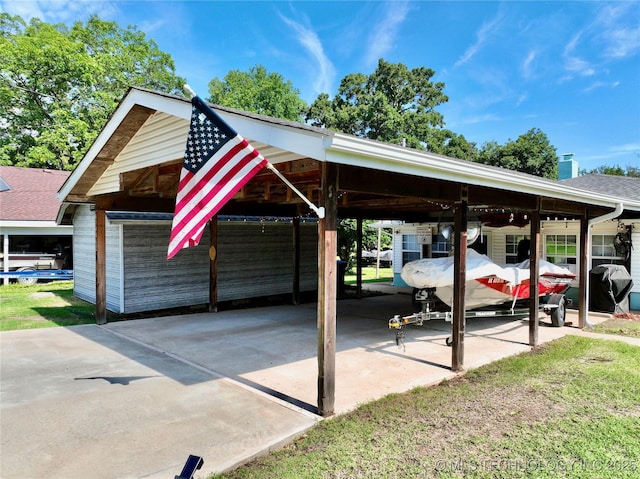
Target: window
(603, 251)
(440, 247)
(513, 241)
(410, 248)
(561, 249)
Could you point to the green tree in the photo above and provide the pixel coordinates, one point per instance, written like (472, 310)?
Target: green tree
(531, 153)
(258, 91)
(59, 85)
(631, 171)
(347, 236)
(394, 104)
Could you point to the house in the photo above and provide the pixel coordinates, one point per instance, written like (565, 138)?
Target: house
(130, 174)
(559, 244)
(28, 208)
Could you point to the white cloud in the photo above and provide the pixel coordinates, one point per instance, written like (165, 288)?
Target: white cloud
(572, 62)
(57, 11)
(383, 34)
(527, 71)
(325, 72)
(486, 31)
(619, 28)
(600, 84)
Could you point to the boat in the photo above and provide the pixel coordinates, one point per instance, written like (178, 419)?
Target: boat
(491, 290)
(487, 283)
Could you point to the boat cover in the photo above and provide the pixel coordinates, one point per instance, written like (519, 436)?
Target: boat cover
(437, 272)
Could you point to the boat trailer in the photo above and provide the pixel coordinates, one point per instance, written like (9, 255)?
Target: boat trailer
(553, 305)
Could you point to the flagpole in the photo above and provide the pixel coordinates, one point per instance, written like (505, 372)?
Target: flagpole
(319, 211)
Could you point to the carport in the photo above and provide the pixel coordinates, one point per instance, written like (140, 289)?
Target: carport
(135, 162)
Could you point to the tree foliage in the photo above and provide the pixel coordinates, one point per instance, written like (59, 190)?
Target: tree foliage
(258, 91)
(394, 104)
(617, 170)
(531, 153)
(59, 84)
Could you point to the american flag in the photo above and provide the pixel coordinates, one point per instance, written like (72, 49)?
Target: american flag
(217, 163)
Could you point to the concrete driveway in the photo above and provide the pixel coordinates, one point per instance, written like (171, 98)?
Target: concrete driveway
(133, 399)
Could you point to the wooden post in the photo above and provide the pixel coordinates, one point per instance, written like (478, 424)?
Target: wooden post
(295, 294)
(101, 269)
(213, 265)
(459, 278)
(583, 292)
(359, 258)
(534, 272)
(327, 290)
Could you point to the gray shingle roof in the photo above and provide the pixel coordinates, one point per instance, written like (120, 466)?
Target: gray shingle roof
(619, 186)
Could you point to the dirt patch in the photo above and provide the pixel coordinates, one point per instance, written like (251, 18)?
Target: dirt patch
(42, 295)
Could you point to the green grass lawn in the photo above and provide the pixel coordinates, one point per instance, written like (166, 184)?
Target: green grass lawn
(42, 305)
(369, 275)
(570, 409)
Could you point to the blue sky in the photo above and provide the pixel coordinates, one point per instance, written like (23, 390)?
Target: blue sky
(571, 69)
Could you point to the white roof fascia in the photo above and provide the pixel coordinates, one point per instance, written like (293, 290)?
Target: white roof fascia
(346, 149)
(305, 143)
(300, 141)
(134, 97)
(34, 228)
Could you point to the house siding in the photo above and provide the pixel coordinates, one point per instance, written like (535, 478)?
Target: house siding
(84, 259)
(84, 254)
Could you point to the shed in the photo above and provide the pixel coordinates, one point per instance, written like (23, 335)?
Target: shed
(135, 162)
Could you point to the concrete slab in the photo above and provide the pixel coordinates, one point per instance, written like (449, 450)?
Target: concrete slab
(135, 398)
(82, 402)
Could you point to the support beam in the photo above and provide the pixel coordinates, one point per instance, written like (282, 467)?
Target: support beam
(213, 265)
(459, 279)
(327, 290)
(534, 272)
(583, 293)
(295, 293)
(101, 267)
(5, 252)
(359, 258)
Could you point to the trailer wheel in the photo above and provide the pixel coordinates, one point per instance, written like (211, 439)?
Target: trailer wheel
(27, 281)
(558, 314)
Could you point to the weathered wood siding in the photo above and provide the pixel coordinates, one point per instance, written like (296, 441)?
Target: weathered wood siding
(308, 256)
(256, 259)
(151, 281)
